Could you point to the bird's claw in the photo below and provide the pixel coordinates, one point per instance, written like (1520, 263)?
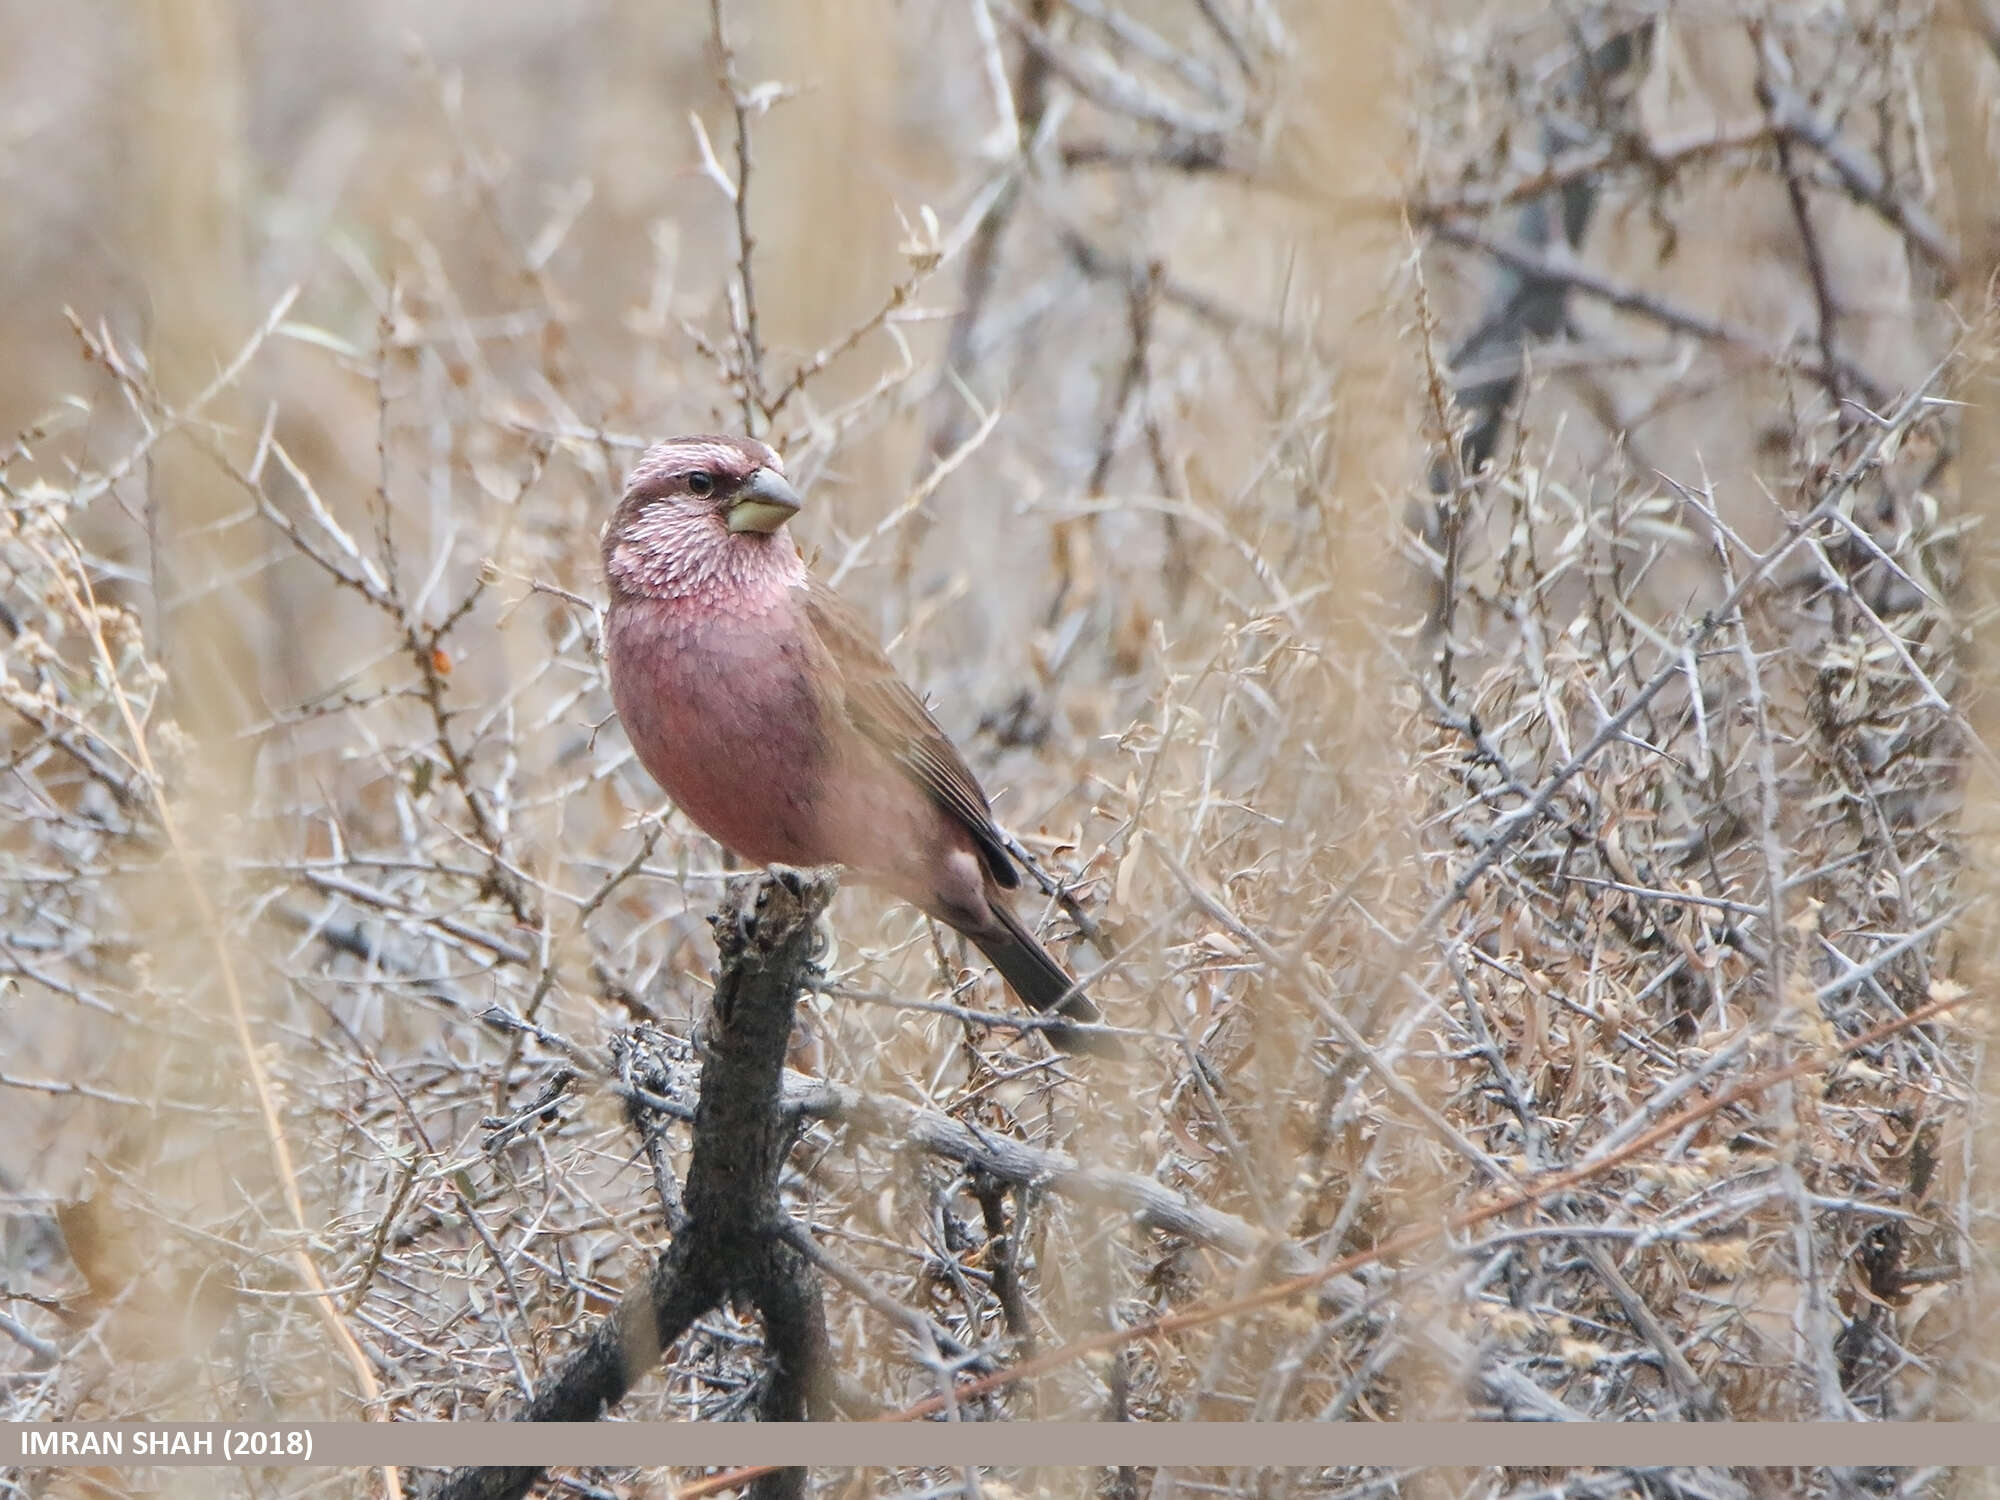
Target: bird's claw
(823, 954)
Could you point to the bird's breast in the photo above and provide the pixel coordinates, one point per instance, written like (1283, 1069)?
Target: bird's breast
(722, 711)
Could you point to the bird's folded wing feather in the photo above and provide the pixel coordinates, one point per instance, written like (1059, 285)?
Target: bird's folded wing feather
(883, 708)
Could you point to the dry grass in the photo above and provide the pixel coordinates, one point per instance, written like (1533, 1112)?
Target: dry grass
(1517, 877)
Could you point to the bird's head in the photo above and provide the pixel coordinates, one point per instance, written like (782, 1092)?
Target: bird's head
(695, 506)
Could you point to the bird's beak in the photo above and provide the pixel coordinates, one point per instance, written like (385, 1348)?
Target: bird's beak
(763, 504)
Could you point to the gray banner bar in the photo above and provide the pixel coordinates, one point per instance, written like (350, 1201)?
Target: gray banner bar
(1004, 1444)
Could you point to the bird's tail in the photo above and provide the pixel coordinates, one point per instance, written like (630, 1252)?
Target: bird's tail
(1033, 973)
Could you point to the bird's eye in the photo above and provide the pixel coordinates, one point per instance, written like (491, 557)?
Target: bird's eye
(701, 485)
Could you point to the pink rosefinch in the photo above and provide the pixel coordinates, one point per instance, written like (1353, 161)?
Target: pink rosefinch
(764, 707)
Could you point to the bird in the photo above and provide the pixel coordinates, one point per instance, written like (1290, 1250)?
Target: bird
(764, 706)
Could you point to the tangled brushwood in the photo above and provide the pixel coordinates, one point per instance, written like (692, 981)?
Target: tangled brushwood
(1482, 663)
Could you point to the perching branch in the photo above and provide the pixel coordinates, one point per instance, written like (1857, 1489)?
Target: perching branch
(733, 1242)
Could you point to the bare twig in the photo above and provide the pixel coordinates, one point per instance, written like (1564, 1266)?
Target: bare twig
(749, 343)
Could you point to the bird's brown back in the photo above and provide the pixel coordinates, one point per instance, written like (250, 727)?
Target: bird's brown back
(882, 706)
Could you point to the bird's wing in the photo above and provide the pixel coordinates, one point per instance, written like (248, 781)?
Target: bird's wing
(884, 709)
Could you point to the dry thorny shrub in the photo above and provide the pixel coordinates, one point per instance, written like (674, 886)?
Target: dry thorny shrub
(327, 991)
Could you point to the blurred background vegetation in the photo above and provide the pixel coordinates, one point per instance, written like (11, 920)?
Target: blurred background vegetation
(1450, 530)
